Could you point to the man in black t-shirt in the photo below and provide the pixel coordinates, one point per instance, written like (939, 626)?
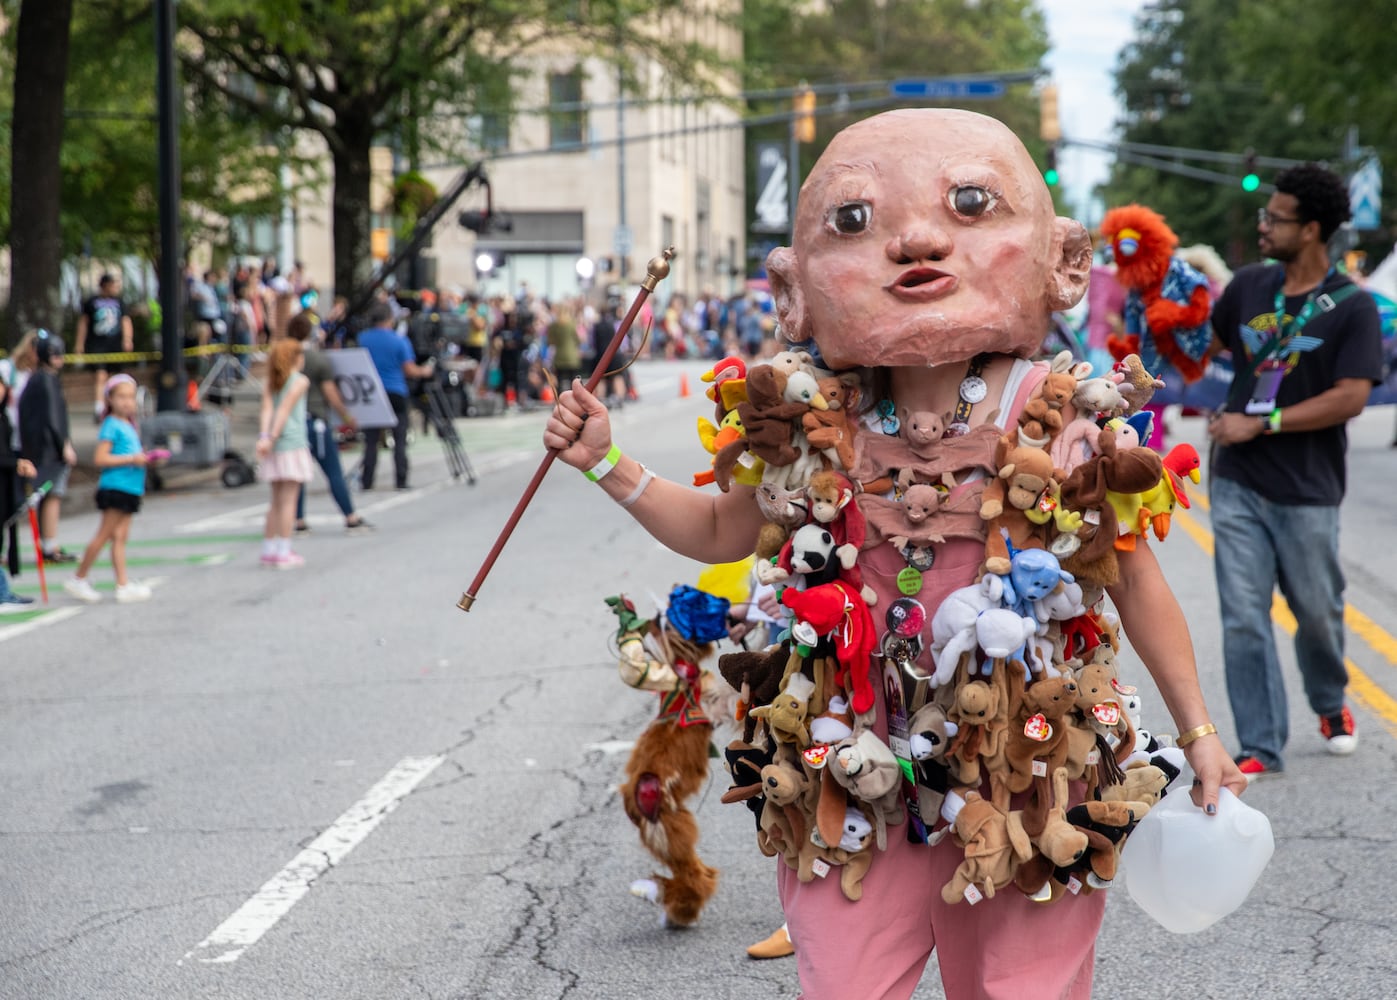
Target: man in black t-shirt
(1307, 349)
(104, 328)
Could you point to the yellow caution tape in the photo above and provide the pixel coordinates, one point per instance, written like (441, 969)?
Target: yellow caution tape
(129, 356)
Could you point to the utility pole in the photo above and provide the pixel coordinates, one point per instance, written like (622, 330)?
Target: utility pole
(170, 395)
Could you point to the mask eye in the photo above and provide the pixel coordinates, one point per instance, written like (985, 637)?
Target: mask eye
(971, 200)
(850, 218)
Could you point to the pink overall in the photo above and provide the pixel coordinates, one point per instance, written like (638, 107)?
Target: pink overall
(1005, 948)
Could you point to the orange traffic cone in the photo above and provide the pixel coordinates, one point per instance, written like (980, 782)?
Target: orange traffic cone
(191, 397)
(683, 386)
(509, 397)
(546, 393)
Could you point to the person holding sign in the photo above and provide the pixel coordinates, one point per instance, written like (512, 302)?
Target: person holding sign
(393, 358)
(1307, 350)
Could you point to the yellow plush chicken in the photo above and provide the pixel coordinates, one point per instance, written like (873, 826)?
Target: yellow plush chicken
(1157, 504)
(715, 438)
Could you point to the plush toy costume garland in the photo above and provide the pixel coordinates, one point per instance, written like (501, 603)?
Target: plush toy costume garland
(669, 762)
(995, 700)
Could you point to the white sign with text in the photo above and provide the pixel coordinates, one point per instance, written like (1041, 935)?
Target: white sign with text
(358, 382)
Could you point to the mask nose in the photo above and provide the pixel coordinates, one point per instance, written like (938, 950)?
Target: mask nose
(920, 242)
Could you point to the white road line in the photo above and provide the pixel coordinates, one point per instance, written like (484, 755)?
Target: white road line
(228, 519)
(52, 618)
(243, 516)
(275, 899)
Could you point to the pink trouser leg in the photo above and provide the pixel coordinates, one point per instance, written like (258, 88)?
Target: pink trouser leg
(1010, 947)
(877, 948)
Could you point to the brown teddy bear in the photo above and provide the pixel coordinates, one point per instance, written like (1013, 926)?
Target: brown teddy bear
(1038, 730)
(1041, 417)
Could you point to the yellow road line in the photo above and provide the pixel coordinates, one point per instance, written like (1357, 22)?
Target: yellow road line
(1367, 693)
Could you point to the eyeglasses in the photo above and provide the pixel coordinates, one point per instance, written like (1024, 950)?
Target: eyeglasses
(1268, 219)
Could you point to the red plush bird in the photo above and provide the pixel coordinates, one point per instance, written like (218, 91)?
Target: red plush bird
(1158, 504)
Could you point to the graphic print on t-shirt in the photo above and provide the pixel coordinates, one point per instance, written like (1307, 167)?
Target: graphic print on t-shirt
(1280, 362)
(106, 317)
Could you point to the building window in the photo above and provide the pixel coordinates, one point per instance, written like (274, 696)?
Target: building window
(566, 120)
(666, 230)
(253, 235)
(489, 131)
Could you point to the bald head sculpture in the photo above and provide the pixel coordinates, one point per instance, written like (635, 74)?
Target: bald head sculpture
(925, 237)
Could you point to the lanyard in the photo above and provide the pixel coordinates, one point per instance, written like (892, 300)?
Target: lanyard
(1297, 323)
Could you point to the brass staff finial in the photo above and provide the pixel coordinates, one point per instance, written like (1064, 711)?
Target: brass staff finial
(657, 269)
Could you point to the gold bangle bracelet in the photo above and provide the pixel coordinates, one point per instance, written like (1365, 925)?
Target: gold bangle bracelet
(1184, 739)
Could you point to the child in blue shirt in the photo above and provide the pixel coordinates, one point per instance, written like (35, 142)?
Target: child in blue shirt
(119, 491)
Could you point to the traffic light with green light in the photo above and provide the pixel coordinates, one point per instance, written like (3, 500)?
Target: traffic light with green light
(1250, 181)
(1050, 174)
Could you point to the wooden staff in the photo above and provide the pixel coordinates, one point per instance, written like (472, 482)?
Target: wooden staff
(38, 553)
(655, 272)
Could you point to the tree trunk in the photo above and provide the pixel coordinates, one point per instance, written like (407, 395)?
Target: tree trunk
(36, 241)
(351, 208)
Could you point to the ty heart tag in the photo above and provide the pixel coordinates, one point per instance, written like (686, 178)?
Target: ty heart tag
(1038, 728)
(816, 755)
(1108, 713)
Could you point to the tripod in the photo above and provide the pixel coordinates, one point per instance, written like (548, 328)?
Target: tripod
(433, 403)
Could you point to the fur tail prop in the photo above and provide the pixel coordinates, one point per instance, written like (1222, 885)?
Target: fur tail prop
(668, 765)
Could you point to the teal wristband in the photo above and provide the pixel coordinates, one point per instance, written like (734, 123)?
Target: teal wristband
(598, 471)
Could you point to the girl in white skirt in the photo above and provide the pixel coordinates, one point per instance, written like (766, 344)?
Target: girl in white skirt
(282, 449)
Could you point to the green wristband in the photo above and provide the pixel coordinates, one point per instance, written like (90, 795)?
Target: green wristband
(598, 471)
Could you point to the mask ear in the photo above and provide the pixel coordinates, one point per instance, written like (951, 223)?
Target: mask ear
(1072, 251)
(783, 272)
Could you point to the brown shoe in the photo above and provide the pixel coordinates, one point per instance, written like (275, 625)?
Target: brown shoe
(777, 946)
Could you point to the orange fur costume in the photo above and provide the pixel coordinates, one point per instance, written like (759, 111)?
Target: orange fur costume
(1171, 301)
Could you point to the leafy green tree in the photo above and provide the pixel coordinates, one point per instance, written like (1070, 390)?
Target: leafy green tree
(359, 71)
(1226, 76)
(228, 166)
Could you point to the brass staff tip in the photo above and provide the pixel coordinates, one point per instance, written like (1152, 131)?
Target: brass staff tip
(658, 267)
(465, 602)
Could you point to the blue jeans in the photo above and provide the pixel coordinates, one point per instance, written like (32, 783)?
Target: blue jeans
(327, 455)
(1261, 545)
(5, 592)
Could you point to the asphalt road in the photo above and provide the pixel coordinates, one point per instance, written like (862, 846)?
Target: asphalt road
(333, 783)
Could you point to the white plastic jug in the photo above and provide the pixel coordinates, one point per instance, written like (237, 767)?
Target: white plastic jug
(1187, 869)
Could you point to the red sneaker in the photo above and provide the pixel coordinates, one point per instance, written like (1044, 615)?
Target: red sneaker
(1339, 732)
(1253, 768)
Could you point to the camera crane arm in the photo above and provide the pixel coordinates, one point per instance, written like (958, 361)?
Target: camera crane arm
(475, 174)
